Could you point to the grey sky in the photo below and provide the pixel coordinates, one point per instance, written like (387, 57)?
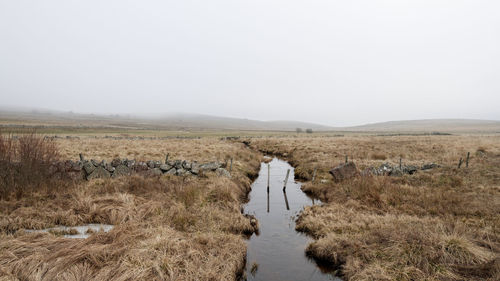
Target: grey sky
(331, 62)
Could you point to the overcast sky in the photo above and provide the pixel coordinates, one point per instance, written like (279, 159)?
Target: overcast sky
(330, 62)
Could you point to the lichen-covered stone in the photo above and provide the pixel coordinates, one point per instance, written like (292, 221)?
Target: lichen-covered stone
(344, 171)
(99, 173)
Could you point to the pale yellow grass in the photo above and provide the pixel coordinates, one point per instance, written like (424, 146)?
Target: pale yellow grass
(442, 224)
(166, 227)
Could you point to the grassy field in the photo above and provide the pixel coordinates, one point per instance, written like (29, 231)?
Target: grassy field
(166, 228)
(441, 224)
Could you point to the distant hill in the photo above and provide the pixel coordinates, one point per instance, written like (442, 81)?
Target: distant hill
(178, 121)
(184, 121)
(432, 125)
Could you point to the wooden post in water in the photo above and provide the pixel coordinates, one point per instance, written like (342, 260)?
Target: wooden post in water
(268, 175)
(467, 160)
(286, 179)
(460, 162)
(286, 200)
(314, 175)
(268, 200)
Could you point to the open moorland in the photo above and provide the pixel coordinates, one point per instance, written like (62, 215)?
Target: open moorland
(438, 224)
(165, 227)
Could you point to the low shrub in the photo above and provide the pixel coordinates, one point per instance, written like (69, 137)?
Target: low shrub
(26, 162)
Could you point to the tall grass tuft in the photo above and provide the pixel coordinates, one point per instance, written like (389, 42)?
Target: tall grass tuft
(26, 163)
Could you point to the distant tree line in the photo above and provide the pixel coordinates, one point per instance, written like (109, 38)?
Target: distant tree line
(299, 130)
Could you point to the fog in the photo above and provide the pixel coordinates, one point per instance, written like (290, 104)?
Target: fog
(331, 62)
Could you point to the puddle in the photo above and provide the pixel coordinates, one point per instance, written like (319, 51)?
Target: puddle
(278, 252)
(81, 232)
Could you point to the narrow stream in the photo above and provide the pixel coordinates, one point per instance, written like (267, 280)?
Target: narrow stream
(278, 252)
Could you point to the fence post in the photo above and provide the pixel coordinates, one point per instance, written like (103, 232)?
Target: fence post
(166, 158)
(460, 162)
(81, 157)
(286, 200)
(346, 159)
(400, 163)
(286, 179)
(314, 175)
(268, 175)
(467, 160)
(231, 167)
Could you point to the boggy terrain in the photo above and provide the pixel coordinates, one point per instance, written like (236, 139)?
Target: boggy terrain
(165, 227)
(438, 224)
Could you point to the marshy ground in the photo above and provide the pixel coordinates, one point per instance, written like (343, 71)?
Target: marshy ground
(441, 224)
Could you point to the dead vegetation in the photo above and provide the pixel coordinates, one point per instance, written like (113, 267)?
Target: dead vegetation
(166, 227)
(25, 163)
(440, 224)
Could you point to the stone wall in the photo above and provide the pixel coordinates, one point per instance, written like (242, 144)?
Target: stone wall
(92, 169)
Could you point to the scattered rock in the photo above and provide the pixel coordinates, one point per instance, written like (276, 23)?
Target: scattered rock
(410, 170)
(223, 172)
(344, 171)
(121, 170)
(129, 163)
(195, 168)
(156, 172)
(116, 162)
(109, 168)
(178, 164)
(212, 166)
(140, 167)
(430, 166)
(171, 172)
(88, 167)
(186, 165)
(182, 172)
(165, 167)
(98, 173)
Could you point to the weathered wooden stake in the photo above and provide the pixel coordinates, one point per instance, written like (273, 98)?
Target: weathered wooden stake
(346, 159)
(268, 175)
(268, 200)
(400, 163)
(460, 162)
(286, 179)
(286, 200)
(81, 157)
(166, 158)
(314, 175)
(231, 167)
(467, 160)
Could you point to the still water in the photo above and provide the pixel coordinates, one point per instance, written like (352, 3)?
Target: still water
(279, 250)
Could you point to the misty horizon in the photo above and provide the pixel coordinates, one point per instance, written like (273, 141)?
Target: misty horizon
(337, 64)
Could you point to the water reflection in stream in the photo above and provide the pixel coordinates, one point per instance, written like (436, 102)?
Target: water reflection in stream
(279, 250)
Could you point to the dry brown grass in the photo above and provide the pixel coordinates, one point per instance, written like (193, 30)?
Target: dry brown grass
(202, 150)
(166, 227)
(442, 224)
(25, 163)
